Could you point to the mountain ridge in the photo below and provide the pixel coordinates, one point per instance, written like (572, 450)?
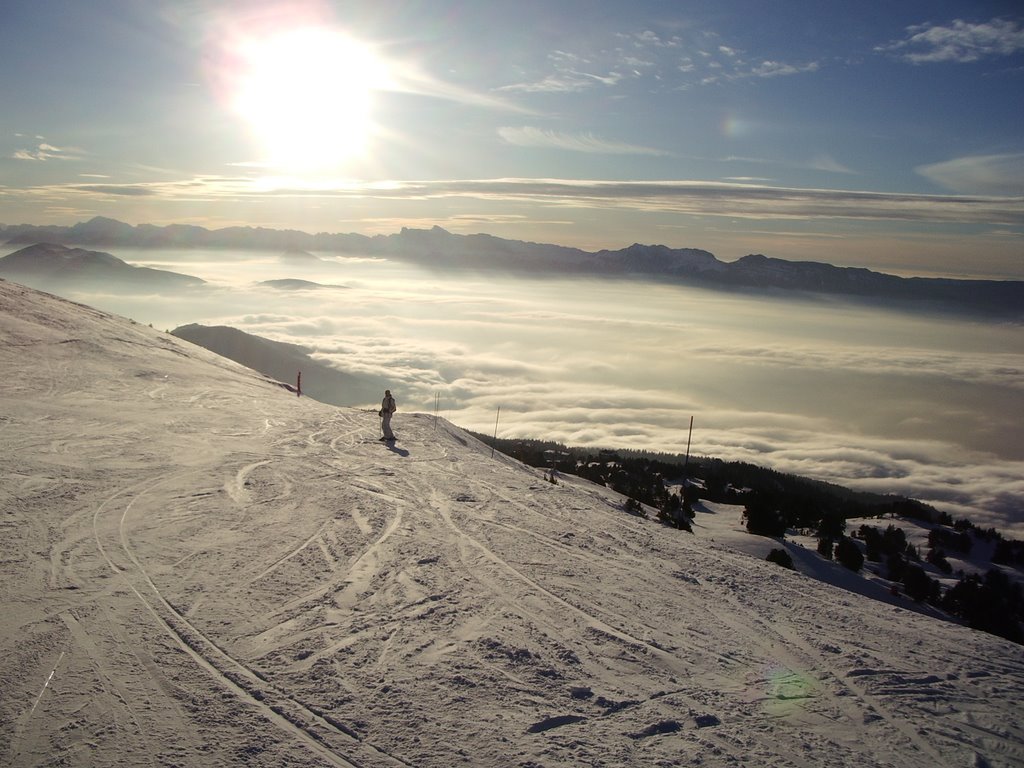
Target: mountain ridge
(56, 264)
(439, 248)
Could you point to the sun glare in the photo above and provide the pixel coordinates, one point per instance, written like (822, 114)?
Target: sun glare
(307, 95)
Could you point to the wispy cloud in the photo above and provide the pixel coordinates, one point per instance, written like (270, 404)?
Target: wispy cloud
(979, 174)
(118, 190)
(42, 152)
(735, 68)
(527, 136)
(572, 73)
(747, 201)
(781, 69)
(958, 42)
(564, 82)
(735, 200)
(715, 62)
(413, 80)
(650, 39)
(669, 62)
(830, 165)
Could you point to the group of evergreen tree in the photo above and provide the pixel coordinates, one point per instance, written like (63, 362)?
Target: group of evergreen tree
(991, 603)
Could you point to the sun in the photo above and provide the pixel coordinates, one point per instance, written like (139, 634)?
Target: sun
(307, 96)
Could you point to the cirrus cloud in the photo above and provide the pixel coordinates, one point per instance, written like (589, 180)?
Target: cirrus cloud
(44, 151)
(527, 136)
(979, 174)
(701, 198)
(959, 42)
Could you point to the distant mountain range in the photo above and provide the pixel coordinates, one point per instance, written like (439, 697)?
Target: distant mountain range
(283, 361)
(439, 248)
(48, 265)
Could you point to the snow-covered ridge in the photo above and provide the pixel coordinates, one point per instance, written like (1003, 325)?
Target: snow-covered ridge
(200, 568)
(62, 266)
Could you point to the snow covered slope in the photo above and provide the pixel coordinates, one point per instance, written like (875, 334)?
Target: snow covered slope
(198, 568)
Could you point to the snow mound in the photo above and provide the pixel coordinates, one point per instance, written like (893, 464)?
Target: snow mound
(200, 568)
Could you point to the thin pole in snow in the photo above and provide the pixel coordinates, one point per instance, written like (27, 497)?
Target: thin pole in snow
(495, 438)
(687, 459)
(298, 385)
(46, 685)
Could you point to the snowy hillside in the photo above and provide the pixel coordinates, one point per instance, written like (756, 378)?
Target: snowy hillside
(201, 569)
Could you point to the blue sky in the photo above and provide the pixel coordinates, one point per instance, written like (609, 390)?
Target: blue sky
(882, 135)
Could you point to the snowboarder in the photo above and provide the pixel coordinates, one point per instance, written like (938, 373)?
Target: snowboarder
(387, 407)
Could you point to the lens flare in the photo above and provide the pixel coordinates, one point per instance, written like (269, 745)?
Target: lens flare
(785, 690)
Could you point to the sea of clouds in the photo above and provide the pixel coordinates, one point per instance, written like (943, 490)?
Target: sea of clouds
(926, 405)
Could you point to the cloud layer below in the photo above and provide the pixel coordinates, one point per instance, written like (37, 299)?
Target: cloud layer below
(919, 405)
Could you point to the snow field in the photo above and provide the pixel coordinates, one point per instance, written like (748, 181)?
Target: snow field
(200, 568)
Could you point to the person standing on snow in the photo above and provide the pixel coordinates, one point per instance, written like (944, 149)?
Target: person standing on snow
(387, 407)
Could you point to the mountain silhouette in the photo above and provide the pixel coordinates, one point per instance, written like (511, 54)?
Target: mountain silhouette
(50, 265)
(436, 248)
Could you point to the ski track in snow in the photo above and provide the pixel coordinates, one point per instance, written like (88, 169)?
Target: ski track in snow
(201, 569)
(281, 709)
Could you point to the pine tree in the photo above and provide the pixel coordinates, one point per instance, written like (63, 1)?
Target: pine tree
(849, 554)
